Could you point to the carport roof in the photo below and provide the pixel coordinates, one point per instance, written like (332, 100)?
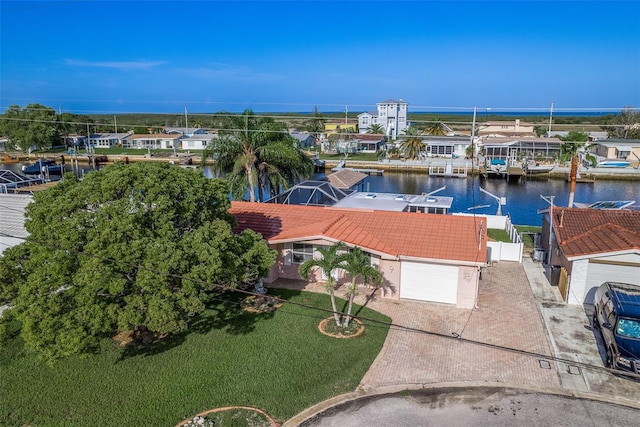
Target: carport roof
(398, 234)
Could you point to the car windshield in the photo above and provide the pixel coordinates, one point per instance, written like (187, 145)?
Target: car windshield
(628, 328)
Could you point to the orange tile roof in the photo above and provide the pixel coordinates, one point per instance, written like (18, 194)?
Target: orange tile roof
(583, 232)
(445, 237)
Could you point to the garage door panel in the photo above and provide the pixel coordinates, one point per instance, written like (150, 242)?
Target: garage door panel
(429, 282)
(598, 273)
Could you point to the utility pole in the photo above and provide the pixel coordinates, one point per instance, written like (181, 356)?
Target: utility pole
(550, 116)
(549, 199)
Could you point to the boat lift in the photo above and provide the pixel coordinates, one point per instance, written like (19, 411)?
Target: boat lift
(502, 201)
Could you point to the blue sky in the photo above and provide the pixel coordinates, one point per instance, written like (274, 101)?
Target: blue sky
(208, 56)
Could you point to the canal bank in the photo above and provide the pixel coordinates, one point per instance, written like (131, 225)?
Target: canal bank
(472, 168)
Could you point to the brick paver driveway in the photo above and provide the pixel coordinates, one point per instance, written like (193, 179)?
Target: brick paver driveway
(507, 316)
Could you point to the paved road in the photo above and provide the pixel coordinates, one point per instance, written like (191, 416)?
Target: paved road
(490, 406)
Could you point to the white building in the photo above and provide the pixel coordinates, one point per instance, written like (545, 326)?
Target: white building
(12, 230)
(107, 140)
(391, 115)
(197, 142)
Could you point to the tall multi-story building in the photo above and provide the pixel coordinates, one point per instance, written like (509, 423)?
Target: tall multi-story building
(391, 115)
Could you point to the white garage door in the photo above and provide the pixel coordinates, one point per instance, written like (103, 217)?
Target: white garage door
(429, 282)
(599, 273)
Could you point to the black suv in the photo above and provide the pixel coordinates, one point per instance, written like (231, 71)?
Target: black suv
(617, 315)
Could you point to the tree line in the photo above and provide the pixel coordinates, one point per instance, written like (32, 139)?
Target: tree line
(39, 127)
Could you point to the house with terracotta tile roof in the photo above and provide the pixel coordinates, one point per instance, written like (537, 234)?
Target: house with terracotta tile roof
(426, 257)
(510, 129)
(587, 247)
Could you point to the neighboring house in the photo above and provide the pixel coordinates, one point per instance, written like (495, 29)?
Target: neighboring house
(593, 136)
(152, 141)
(446, 146)
(186, 132)
(306, 140)
(370, 143)
(107, 140)
(435, 258)
(515, 129)
(75, 140)
(335, 126)
(12, 207)
(587, 247)
(390, 114)
(625, 149)
(541, 149)
(197, 142)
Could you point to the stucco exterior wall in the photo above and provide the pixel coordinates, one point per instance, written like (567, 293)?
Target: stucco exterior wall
(468, 281)
(577, 281)
(390, 270)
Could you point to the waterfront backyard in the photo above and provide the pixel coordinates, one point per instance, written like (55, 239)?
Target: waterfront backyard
(278, 362)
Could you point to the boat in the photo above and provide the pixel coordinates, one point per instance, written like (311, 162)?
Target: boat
(497, 166)
(43, 166)
(536, 168)
(614, 163)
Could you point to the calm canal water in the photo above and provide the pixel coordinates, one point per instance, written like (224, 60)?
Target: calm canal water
(523, 199)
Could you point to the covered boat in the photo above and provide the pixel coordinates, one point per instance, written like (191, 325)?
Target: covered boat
(43, 166)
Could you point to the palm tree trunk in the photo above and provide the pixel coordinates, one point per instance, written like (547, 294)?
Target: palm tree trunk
(260, 186)
(334, 307)
(573, 177)
(352, 295)
(249, 171)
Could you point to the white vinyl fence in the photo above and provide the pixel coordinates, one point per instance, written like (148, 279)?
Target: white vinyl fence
(503, 251)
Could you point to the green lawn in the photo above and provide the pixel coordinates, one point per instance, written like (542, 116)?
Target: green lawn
(527, 232)
(278, 362)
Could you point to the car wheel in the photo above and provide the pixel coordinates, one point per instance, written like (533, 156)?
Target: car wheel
(610, 359)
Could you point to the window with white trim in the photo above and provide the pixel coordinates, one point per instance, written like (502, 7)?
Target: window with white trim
(301, 252)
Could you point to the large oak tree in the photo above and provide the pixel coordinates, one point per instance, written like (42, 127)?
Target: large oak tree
(131, 247)
(34, 127)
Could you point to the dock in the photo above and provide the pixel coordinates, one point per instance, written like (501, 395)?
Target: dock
(583, 178)
(361, 170)
(449, 170)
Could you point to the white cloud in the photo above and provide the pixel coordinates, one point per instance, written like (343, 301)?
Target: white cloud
(120, 65)
(230, 73)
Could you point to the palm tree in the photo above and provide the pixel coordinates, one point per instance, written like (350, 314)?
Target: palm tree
(376, 129)
(437, 128)
(412, 146)
(574, 147)
(358, 264)
(330, 261)
(257, 152)
(315, 125)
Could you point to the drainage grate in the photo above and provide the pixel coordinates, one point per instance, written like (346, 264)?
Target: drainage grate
(544, 364)
(574, 370)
